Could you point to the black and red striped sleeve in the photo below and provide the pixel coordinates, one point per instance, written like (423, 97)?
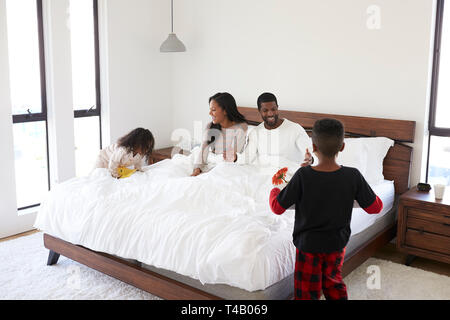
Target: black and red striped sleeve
(291, 194)
(273, 202)
(375, 207)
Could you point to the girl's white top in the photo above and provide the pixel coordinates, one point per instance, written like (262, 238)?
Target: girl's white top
(115, 156)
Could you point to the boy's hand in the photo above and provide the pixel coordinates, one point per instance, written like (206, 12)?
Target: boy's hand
(308, 159)
(280, 186)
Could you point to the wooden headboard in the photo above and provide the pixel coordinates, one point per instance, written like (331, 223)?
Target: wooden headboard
(397, 163)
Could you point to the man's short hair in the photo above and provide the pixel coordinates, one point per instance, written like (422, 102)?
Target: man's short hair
(266, 97)
(328, 136)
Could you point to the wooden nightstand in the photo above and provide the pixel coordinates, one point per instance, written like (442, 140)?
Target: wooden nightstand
(424, 225)
(166, 153)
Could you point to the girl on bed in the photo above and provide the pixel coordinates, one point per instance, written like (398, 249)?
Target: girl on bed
(130, 150)
(225, 135)
(323, 196)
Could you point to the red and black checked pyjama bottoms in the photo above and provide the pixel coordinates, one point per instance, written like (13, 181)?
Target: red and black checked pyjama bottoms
(315, 272)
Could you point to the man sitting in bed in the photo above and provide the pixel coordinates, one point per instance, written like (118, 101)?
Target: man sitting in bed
(276, 139)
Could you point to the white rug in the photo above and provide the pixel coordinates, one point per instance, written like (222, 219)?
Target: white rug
(25, 275)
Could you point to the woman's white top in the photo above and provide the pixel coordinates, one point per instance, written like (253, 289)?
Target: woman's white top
(232, 138)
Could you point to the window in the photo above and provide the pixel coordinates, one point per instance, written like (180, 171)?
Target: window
(28, 98)
(438, 164)
(86, 83)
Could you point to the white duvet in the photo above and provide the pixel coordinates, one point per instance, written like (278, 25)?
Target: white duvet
(216, 227)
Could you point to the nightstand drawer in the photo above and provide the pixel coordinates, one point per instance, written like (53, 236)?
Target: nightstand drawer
(434, 216)
(427, 241)
(424, 225)
(427, 226)
(158, 157)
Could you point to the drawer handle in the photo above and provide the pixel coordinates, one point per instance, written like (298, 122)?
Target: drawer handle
(446, 224)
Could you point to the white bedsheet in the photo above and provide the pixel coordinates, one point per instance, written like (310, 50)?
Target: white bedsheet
(217, 227)
(361, 220)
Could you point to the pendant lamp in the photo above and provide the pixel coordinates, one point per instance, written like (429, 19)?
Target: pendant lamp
(172, 43)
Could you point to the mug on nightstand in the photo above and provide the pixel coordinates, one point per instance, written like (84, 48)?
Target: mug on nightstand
(439, 191)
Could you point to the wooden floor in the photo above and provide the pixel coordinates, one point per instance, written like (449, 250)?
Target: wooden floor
(388, 252)
(18, 235)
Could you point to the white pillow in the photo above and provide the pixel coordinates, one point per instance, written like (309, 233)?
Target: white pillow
(371, 163)
(378, 148)
(354, 155)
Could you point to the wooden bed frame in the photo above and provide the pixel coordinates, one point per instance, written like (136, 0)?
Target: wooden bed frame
(396, 167)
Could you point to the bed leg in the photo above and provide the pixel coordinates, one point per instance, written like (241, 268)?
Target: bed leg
(52, 258)
(409, 259)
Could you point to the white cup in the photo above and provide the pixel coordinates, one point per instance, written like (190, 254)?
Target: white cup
(439, 191)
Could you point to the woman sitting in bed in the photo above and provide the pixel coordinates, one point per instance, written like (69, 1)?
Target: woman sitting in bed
(225, 135)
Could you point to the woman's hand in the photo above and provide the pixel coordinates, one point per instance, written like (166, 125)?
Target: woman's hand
(229, 155)
(196, 172)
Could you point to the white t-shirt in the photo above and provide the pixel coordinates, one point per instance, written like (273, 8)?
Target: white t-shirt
(272, 147)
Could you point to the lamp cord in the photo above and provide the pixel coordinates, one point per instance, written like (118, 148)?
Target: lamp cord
(171, 10)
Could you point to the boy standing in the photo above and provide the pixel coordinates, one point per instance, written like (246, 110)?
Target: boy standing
(323, 196)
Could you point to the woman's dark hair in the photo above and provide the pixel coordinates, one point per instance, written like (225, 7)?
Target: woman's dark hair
(266, 97)
(227, 102)
(328, 136)
(138, 138)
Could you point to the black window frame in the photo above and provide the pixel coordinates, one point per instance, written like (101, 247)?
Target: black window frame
(96, 109)
(433, 130)
(38, 116)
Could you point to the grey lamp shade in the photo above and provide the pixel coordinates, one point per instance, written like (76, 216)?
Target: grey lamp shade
(172, 44)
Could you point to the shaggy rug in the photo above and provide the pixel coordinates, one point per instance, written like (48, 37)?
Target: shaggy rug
(25, 275)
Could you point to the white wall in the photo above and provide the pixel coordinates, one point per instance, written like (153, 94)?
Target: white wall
(57, 47)
(8, 217)
(139, 76)
(316, 56)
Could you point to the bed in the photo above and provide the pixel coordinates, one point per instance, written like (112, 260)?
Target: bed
(233, 248)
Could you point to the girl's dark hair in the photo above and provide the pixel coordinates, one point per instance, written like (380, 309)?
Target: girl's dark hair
(227, 102)
(138, 138)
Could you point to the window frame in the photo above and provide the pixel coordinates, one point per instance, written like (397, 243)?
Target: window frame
(38, 116)
(93, 112)
(433, 130)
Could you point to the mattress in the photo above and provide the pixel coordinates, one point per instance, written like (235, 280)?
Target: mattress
(215, 228)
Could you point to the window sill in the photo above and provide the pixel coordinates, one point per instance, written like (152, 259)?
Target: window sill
(27, 211)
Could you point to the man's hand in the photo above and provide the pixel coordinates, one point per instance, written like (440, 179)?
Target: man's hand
(196, 172)
(308, 159)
